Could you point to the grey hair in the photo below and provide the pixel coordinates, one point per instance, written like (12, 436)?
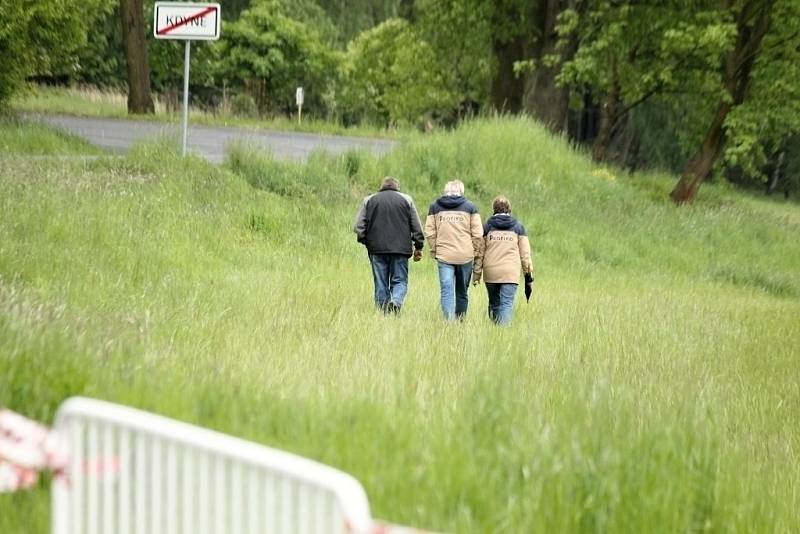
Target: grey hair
(454, 188)
(391, 183)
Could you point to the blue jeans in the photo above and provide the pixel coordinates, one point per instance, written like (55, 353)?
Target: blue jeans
(390, 274)
(454, 283)
(501, 302)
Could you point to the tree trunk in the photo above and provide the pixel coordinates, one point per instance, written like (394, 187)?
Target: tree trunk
(776, 174)
(544, 99)
(701, 163)
(406, 10)
(752, 24)
(133, 36)
(608, 117)
(586, 128)
(627, 147)
(505, 93)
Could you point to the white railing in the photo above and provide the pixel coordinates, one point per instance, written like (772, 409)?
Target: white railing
(134, 472)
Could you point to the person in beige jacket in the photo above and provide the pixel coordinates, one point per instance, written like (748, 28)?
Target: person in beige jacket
(454, 233)
(506, 252)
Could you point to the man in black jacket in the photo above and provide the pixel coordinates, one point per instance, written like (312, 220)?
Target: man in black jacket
(387, 224)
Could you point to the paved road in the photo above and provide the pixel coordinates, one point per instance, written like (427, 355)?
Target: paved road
(208, 141)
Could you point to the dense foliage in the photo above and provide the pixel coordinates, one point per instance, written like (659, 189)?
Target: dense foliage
(270, 54)
(696, 86)
(391, 76)
(39, 37)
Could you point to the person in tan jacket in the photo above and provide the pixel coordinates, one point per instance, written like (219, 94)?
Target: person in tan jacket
(454, 233)
(506, 251)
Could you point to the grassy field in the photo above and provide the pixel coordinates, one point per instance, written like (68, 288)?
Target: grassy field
(90, 102)
(652, 384)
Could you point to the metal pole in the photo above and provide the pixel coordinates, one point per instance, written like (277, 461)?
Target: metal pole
(185, 97)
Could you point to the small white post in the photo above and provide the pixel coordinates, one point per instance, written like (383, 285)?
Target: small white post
(185, 96)
(298, 98)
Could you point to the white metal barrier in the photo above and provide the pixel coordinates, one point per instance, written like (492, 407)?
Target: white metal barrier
(134, 472)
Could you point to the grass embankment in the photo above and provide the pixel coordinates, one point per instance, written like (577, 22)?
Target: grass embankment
(89, 102)
(19, 138)
(651, 385)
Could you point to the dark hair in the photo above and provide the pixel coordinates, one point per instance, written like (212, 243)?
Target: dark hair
(501, 205)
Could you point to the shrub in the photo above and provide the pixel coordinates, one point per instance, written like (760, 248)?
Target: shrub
(391, 76)
(243, 105)
(271, 54)
(37, 38)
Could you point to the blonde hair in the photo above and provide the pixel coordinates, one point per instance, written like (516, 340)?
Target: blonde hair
(501, 205)
(454, 188)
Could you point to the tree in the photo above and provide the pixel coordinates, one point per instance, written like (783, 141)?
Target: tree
(133, 37)
(352, 17)
(101, 61)
(526, 52)
(755, 90)
(632, 52)
(511, 35)
(764, 123)
(789, 170)
(38, 38)
(13, 66)
(458, 33)
(269, 54)
(546, 97)
(392, 76)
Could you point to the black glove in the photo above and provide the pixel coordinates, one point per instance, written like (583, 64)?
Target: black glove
(528, 286)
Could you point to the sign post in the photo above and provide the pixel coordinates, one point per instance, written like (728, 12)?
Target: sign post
(185, 121)
(298, 97)
(188, 22)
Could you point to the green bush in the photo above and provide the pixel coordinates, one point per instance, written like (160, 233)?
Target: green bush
(243, 105)
(38, 37)
(270, 54)
(391, 77)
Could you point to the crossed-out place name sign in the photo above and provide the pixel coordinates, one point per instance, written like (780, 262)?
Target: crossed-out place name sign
(183, 20)
(189, 22)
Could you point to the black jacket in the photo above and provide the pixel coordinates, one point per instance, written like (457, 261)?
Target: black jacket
(387, 223)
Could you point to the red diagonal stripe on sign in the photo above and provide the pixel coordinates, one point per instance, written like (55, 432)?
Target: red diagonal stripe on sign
(187, 20)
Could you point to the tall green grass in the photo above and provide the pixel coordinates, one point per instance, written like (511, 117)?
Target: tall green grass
(651, 384)
(19, 138)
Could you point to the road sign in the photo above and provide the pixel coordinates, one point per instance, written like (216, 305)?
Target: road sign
(188, 21)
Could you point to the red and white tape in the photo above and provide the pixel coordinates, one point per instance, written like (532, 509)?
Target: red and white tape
(26, 448)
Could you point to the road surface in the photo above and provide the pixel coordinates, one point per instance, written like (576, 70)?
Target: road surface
(211, 142)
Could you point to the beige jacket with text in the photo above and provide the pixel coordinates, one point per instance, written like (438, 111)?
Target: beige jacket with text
(453, 230)
(506, 251)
